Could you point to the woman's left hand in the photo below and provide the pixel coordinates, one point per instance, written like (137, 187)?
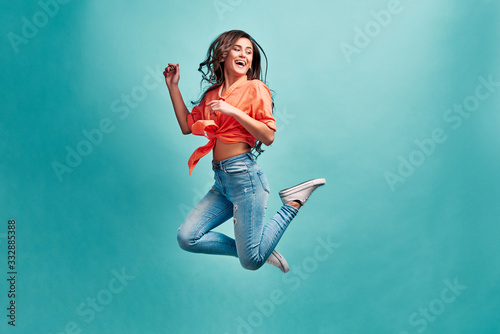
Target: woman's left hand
(222, 106)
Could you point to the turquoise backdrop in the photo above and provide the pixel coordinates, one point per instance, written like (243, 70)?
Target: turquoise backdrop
(394, 102)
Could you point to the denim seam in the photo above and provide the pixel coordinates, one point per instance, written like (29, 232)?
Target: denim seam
(282, 230)
(222, 242)
(274, 239)
(252, 221)
(198, 230)
(219, 181)
(260, 174)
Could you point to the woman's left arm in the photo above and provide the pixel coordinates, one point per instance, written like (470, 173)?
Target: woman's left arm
(257, 129)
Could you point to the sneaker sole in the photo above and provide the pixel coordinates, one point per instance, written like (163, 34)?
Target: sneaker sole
(302, 186)
(284, 265)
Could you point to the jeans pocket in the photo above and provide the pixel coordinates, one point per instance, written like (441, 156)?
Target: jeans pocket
(263, 180)
(236, 168)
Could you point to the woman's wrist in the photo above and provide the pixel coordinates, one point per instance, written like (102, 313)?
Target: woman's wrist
(172, 86)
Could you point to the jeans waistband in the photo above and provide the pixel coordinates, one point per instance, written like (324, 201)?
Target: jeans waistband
(222, 163)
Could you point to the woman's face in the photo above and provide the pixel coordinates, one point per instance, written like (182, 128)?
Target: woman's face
(239, 58)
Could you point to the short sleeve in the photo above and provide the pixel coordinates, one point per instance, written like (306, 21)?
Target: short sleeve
(196, 114)
(262, 105)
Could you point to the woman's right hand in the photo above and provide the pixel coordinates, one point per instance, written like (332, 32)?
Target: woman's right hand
(172, 75)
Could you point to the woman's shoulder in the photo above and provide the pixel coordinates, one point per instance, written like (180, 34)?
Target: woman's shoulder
(258, 87)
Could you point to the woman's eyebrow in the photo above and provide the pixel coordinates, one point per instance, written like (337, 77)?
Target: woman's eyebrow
(248, 47)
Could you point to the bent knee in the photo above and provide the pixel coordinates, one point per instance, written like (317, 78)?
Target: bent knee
(185, 240)
(251, 264)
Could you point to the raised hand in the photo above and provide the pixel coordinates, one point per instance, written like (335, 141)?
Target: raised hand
(172, 74)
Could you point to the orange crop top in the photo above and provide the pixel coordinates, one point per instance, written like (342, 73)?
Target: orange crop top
(250, 96)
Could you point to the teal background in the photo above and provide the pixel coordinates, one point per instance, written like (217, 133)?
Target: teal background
(347, 121)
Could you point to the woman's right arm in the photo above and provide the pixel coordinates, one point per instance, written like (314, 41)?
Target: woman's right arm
(172, 77)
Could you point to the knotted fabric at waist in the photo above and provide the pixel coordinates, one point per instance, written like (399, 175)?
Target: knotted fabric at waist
(206, 128)
(210, 130)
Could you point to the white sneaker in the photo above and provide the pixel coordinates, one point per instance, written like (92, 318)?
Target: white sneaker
(301, 192)
(277, 260)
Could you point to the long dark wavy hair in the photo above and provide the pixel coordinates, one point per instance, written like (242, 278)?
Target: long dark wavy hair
(212, 69)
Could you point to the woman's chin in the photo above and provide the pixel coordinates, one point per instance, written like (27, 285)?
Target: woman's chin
(238, 72)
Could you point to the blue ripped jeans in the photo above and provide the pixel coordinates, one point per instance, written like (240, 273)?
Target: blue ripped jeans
(241, 191)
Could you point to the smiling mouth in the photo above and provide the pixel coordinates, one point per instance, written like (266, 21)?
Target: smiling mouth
(240, 63)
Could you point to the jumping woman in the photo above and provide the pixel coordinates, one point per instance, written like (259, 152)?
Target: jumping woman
(235, 114)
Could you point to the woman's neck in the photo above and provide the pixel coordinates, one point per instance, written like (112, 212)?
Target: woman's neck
(229, 81)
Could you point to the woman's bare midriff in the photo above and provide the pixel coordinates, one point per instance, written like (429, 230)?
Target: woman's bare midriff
(223, 151)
